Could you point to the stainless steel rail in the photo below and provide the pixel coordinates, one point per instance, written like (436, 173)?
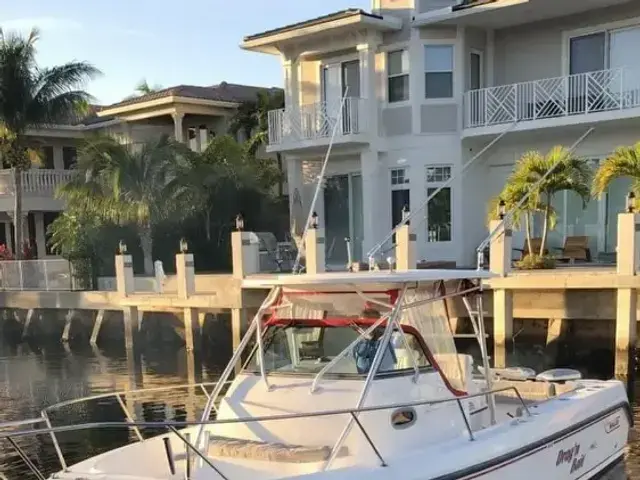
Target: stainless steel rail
(174, 426)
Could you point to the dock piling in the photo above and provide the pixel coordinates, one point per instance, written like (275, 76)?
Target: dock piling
(96, 328)
(500, 264)
(68, 320)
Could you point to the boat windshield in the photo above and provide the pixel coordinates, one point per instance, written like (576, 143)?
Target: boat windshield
(305, 350)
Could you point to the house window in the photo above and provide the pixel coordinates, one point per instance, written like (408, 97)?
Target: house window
(69, 157)
(400, 196)
(439, 207)
(398, 76)
(438, 76)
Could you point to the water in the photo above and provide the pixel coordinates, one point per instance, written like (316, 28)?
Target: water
(34, 377)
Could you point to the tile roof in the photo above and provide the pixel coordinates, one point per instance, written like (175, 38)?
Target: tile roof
(349, 12)
(222, 92)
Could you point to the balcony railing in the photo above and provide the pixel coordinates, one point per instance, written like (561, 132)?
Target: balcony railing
(602, 91)
(35, 181)
(315, 121)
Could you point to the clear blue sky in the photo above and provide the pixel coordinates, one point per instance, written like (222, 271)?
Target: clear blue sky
(166, 42)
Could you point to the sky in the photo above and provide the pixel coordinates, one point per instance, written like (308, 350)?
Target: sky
(168, 43)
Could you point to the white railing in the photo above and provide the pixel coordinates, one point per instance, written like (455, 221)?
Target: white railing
(315, 121)
(35, 180)
(603, 91)
(42, 275)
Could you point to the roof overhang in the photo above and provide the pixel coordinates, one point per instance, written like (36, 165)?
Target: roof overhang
(270, 42)
(507, 13)
(161, 104)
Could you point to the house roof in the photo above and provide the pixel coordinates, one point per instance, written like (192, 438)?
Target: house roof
(470, 4)
(222, 92)
(339, 15)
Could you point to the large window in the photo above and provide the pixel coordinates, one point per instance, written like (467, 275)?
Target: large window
(69, 157)
(439, 207)
(398, 76)
(438, 68)
(47, 157)
(603, 50)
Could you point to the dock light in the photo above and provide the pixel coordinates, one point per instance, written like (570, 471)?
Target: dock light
(390, 261)
(502, 209)
(314, 220)
(184, 246)
(239, 222)
(122, 247)
(631, 202)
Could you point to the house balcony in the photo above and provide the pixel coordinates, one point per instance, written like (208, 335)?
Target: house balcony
(554, 102)
(312, 125)
(38, 187)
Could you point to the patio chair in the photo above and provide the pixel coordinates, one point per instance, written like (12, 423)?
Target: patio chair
(575, 248)
(536, 243)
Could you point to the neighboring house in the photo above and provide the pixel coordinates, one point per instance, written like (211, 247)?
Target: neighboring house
(188, 113)
(429, 84)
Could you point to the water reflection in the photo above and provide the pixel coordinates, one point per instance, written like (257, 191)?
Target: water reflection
(33, 377)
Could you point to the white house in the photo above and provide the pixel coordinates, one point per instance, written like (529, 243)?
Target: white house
(429, 84)
(189, 113)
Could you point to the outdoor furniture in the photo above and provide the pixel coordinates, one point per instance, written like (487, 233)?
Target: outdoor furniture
(536, 243)
(575, 248)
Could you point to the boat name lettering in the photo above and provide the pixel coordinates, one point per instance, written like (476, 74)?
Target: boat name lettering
(571, 456)
(612, 424)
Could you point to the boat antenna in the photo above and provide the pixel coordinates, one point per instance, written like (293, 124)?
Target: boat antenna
(338, 122)
(376, 248)
(509, 214)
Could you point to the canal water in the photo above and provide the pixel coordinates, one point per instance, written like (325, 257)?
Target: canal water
(33, 377)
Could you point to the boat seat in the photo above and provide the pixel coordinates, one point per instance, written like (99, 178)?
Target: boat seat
(533, 390)
(268, 451)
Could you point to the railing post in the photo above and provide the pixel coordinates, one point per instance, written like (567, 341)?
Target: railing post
(245, 253)
(124, 275)
(46, 279)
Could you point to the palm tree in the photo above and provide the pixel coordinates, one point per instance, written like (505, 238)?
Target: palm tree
(129, 185)
(252, 118)
(567, 172)
(143, 88)
(33, 97)
(207, 178)
(624, 162)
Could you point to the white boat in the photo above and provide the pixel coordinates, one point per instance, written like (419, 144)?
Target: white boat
(356, 376)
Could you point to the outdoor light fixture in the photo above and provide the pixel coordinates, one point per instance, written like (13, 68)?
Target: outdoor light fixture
(502, 209)
(122, 247)
(239, 222)
(184, 246)
(405, 212)
(631, 202)
(314, 220)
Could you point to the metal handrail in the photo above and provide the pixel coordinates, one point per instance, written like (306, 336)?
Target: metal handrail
(118, 396)
(173, 426)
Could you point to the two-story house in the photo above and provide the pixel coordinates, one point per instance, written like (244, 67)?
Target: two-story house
(430, 84)
(191, 114)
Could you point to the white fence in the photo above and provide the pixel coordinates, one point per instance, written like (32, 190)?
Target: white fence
(42, 275)
(602, 91)
(35, 180)
(315, 121)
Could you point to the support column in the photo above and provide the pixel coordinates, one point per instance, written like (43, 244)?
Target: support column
(367, 109)
(185, 275)
(131, 318)
(178, 129)
(58, 157)
(25, 228)
(370, 168)
(556, 332)
(315, 251)
(124, 275)
(8, 236)
(239, 321)
(197, 140)
(245, 254)
(291, 67)
(627, 298)
(405, 249)
(500, 264)
(41, 237)
(191, 329)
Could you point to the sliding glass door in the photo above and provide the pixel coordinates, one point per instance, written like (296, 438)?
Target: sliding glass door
(343, 218)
